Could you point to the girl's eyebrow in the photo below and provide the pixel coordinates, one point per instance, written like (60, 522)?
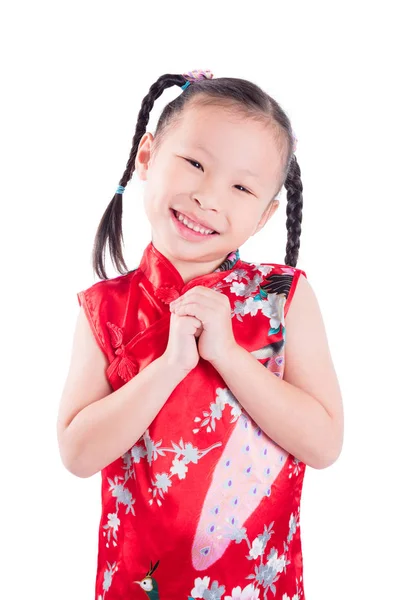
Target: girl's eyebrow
(247, 171)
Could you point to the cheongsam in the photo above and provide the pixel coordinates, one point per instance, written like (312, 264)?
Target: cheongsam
(204, 504)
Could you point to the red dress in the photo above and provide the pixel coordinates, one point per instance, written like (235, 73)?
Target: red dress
(204, 504)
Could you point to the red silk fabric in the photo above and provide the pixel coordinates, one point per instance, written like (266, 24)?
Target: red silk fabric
(204, 504)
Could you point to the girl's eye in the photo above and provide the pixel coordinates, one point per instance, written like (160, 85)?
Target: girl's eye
(194, 162)
(247, 191)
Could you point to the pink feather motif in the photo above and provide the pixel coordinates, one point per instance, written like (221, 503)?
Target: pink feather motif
(242, 478)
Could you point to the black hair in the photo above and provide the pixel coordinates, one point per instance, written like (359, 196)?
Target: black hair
(242, 97)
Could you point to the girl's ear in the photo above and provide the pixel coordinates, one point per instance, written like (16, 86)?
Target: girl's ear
(143, 155)
(267, 214)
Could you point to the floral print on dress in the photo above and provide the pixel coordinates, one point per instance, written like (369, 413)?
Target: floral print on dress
(234, 509)
(185, 453)
(265, 574)
(266, 291)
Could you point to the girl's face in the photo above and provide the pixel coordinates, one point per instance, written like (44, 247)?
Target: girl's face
(201, 168)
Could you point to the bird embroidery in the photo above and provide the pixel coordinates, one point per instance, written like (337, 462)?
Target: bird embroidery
(149, 584)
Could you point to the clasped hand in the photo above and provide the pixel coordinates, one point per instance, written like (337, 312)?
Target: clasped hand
(213, 309)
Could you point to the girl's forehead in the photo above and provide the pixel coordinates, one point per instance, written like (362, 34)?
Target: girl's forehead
(214, 127)
(219, 135)
(199, 118)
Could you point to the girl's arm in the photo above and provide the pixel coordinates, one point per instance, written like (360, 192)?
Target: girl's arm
(96, 425)
(303, 412)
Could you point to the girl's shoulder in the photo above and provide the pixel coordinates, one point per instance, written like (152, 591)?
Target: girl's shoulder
(277, 268)
(117, 282)
(277, 278)
(114, 290)
(104, 302)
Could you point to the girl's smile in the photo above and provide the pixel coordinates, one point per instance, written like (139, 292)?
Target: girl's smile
(186, 232)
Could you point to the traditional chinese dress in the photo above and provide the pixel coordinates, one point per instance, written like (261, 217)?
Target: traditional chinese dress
(204, 504)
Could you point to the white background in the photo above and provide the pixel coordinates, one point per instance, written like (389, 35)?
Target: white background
(73, 78)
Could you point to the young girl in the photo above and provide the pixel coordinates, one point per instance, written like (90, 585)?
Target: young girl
(193, 389)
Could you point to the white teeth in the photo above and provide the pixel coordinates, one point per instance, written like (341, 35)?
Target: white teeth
(192, 225)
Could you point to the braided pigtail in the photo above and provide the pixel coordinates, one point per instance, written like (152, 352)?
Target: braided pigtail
(294, 212)
(110, 226)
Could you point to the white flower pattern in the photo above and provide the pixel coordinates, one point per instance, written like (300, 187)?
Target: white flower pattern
(269, 569)
(266, 574)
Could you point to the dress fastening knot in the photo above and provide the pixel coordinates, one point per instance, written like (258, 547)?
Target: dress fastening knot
(127, 368)
(166, 294)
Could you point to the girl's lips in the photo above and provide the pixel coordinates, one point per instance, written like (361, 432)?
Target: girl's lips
(189, 234)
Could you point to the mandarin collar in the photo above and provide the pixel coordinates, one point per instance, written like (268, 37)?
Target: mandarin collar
(166, 280)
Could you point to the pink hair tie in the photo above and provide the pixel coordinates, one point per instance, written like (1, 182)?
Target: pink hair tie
(196, 75)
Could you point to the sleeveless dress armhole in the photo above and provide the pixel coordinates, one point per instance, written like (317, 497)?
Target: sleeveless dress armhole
(86, 301)
(293, 287)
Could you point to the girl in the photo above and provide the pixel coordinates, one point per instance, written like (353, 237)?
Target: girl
(193, 390)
